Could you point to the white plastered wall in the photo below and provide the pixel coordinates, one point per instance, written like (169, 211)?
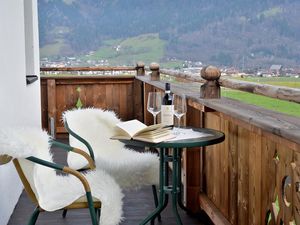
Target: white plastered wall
(19, 103)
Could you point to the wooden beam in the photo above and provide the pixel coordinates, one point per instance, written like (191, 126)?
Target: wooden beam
(212, 211)
(101, 68)
(94, 78)
(279, 92)
(138, 100)
(184, 75)
(283, 93)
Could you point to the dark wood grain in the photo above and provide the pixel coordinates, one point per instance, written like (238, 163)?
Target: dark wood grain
(60, 94)
(216, 216)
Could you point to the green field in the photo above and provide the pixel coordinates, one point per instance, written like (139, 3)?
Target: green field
(286, 107)
(51, 49)
(148, 48)
(277, 81)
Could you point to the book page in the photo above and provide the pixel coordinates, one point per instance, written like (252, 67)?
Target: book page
(149, 128)
(156, 139)
(131, 127)
(154, 133)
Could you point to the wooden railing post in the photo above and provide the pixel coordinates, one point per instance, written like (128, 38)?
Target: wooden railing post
(51, 93)
(140, 68)
(155, 74)
(211, 88)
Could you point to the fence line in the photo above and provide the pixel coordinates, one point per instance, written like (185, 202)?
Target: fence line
(279, 92)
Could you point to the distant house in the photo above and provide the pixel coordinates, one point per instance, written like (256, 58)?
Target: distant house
(276, 70)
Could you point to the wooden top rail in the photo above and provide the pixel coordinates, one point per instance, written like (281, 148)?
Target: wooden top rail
(95, 77)
(279, 92)
(102, 68)
(276, 123)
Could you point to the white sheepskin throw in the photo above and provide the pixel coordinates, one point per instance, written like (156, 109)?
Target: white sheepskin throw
(130, 168)
(54, 192)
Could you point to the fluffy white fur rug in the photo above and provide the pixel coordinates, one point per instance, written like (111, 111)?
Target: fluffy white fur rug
(131, 169)
(53, 191)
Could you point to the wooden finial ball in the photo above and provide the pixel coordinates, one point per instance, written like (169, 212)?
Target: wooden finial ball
(140, 64)
(210, 73)
(154, 66)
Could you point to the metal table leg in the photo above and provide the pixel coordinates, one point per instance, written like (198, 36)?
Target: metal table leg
(164, 188)
(176, 179)
(163, 197)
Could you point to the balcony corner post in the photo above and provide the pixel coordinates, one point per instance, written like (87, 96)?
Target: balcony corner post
(140, 68)
(155, 74)
(211, 88)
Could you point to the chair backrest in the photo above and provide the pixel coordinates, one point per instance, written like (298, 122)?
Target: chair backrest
(96, 126)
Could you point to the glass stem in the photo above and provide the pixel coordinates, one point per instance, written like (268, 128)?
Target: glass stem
(179, 122)
(154, 118)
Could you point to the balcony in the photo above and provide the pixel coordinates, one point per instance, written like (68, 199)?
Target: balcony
(250, 178)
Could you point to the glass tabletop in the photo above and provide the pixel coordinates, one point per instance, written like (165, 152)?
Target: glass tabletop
(214, 137)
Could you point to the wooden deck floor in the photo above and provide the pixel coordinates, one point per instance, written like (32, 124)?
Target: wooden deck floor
(137, 205)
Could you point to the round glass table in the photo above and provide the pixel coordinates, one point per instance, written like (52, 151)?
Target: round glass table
(174, 189)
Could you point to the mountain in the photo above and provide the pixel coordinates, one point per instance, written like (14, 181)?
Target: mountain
(243, 33)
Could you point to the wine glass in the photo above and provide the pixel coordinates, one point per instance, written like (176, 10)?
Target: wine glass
(154, 104)
(179, 107)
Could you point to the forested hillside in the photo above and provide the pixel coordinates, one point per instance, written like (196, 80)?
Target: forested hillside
(250, 33)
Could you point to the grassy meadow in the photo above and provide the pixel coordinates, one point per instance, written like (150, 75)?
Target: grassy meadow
(286, 107)
(147, 48)
(52, 49)
(277, 81)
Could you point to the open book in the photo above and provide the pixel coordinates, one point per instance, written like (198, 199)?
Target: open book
(136, 130)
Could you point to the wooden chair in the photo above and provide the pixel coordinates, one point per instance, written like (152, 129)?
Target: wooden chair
(87, 201)
(90, 129)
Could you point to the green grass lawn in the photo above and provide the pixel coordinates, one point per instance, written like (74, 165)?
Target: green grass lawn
(277, 81)
(286, 107)
(51, 49)
(147, 48)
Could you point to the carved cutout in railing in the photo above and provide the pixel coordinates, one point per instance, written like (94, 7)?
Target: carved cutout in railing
(275, 210)
(268, 217)
(286, 184)
(276, 157)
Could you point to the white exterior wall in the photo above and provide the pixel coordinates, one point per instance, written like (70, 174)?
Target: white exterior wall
(19, 103)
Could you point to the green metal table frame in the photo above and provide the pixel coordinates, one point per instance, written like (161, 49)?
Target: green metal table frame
(175, 188)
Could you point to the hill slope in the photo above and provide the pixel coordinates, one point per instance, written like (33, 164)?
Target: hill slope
(250, 33)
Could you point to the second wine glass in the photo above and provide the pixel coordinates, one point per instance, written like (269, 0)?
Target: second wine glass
(154, 104)
(179, 107)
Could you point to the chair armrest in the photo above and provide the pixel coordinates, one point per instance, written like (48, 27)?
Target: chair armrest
(75, 150)
(65, 169)
(72, 133)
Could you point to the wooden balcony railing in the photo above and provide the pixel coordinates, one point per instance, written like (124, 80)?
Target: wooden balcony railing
(253, 177)
(60, 93)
